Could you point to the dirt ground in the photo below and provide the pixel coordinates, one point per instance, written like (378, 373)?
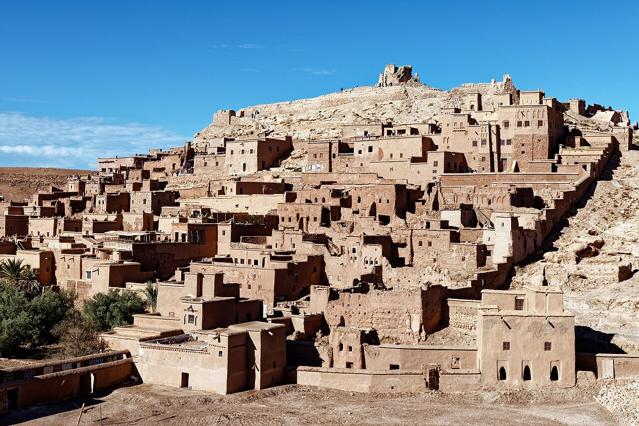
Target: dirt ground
(16, 183)
(291, 405)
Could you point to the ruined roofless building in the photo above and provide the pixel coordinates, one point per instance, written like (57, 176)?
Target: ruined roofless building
(393, 76)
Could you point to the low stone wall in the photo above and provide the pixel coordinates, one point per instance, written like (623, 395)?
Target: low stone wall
(58, 381)
(359, 380)
(459, 380)
(609, 366)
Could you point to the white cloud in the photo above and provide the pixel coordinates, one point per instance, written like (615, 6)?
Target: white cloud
(75, 142)
(24, 100)
(315, 71)
(238, 46)
(248, 46)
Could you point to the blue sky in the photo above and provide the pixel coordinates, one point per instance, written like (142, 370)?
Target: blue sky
(80, 79)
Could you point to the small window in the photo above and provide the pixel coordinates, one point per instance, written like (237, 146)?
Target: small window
(191, 319)
(547, 346)
(349, 365)
(370, 149)
(219, 353)
(506, 124)
(540, 123)
(393, 367)
(526, 123)
(350, 349)
(519, 124)
(505, 346)
(519, 304)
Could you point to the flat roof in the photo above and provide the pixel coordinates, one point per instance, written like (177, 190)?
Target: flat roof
(255, 326)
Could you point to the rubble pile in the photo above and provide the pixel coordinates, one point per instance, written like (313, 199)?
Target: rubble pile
(622, 401)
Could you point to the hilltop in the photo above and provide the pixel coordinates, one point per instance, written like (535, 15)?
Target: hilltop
(322, 117)
(18, 183)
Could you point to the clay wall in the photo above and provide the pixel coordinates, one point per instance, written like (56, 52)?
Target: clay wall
(360, 380)
(14, 225)
(419, 357)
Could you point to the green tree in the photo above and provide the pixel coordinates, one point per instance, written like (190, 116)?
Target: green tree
(45, 312)
(151, 293)
(15, 324)
(112, 309)
(26, 323)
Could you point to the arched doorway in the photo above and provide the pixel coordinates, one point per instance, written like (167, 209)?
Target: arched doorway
(527, 376)
(502, 373)
(554, 374)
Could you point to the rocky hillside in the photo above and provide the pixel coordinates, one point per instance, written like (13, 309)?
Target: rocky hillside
(18, 183)
(595, 259)
(323, 116)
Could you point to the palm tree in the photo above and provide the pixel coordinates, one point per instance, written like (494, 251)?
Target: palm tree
(15, 273)
(11, 271)
(151, 292)
(29, 282)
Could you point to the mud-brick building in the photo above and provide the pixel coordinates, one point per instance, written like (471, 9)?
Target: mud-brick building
(526, 337)
(250, 355)
(252, 155)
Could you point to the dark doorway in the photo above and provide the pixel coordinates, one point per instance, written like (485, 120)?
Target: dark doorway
(526, 373)
(86, 384)
(433, 378)
(12, 399)
(554, 374)
(373, 210)
(502, 373)
(185, 380)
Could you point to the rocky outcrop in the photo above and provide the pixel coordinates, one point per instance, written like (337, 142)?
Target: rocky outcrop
(408, 101)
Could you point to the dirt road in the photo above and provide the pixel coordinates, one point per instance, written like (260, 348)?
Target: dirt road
(292, 405)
